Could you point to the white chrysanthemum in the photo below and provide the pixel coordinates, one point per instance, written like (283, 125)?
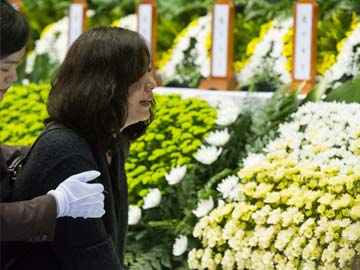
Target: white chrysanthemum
(204, 207)
(53, 42)
(208, 155)
(226, 116)
(218, 137)
(228, 186)
(152, 199)
(254, 160)
(180, 245)
(176, 175)
(134, 214)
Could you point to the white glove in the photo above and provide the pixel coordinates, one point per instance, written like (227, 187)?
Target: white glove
(76, 198)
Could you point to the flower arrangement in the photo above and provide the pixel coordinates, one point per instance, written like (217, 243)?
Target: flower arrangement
(190, 50)
(297, 206)
(266, 57)
(347, 64)
(162, 221)
(49, 51)
(329, 42)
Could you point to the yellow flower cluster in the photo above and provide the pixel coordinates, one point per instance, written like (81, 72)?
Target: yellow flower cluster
(291, 212)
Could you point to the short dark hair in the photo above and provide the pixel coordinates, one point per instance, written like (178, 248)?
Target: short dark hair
(90, 90)
(14, 30)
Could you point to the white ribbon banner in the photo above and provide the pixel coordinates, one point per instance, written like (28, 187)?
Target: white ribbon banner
(145, 22)
(220, 40)
(76, 21)
(303, 34)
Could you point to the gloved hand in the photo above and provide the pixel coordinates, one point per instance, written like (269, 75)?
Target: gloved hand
(76, 198)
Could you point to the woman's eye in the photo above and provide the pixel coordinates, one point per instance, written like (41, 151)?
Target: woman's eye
(4, 70)
(149, 70)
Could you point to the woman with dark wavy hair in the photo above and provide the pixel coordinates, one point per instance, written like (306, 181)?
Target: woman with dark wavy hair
(35, 218)
(101, 99)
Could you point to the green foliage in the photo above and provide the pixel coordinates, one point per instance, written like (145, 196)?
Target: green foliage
(276, 109)
(244, 32)
(171, 140)
(316, 93)
(266, 120)
(155, 258)
(333, 29)
(43, 69)
(268, 9)
(167, 30)
(329, 8)
(347, 92)
(106, 11)
(183, 10)
(22, 112)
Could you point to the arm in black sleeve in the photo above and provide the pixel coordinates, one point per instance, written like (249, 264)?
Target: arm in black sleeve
(80, 243)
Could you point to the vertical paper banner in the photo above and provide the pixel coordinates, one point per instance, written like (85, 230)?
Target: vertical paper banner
(76, 15)
(145, 23)
(220, 41)
(303, 42)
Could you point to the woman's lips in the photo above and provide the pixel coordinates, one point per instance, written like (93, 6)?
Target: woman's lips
(146, 102)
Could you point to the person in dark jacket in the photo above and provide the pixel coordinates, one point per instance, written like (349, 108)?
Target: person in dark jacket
(101, 99)
(35, 219)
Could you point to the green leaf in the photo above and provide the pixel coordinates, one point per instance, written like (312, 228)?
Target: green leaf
(315, 93)
(348, 92)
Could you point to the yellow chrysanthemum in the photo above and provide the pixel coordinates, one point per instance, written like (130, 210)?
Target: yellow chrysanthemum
(328, 60)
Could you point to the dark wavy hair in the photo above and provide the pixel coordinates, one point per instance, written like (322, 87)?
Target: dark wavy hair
(14, 30)
(89, 91)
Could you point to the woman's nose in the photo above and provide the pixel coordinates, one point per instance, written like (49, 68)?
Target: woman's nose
(151, 84)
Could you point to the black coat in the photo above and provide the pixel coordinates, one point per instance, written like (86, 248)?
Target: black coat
(79, 243)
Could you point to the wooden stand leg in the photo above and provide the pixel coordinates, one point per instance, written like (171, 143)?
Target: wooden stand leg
(219, 84)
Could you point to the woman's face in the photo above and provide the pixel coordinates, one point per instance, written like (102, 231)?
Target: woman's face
(8, 66)
(140, 99)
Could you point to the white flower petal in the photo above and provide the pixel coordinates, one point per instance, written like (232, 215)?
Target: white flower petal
(204, 207)
(208, 155)
(218, 137)
(152, 199)
(176, 175)
(134, 214)
(180, 245)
